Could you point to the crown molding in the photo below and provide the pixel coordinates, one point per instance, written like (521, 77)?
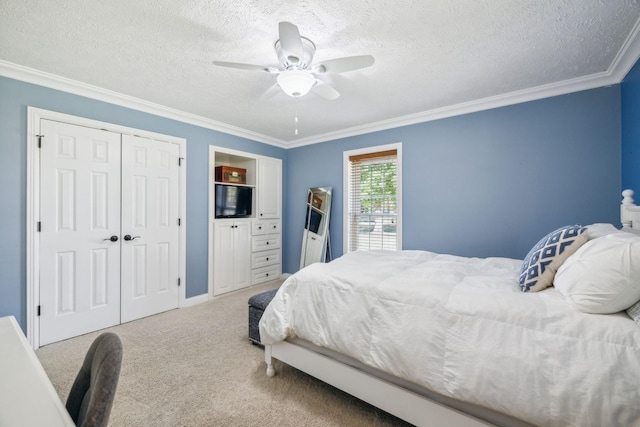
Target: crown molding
(620, 66)
(517, 97)
(52, 81)
(627, 55)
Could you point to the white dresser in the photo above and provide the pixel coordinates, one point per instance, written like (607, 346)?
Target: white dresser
(245, 244)
(266, 251)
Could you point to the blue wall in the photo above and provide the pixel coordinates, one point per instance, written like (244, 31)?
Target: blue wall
(630, 90)
(15, 96)
(484, 184)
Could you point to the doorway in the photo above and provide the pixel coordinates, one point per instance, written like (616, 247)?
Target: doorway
(108, 208)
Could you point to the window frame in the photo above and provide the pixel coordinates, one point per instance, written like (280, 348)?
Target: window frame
(346, 203)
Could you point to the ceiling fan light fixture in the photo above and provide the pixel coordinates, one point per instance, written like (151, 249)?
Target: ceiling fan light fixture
(296, 83)
(296, 71)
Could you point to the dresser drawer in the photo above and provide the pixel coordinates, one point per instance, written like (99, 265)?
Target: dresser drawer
(265, 227)
(273, 227)
(265, 258)
(258, 228)
(266, 242)
(265, 274)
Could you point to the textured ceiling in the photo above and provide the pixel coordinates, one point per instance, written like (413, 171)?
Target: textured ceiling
(430, 55)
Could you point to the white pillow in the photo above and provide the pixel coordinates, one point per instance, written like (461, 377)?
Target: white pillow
(632, 230)
(602, 276)
(600, 229)
(543, 260)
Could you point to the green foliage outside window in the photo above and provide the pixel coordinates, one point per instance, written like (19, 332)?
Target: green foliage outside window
(378, 187)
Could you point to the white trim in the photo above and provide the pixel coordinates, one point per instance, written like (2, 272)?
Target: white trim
(33, 242)
(626, 58)
(622, 63)
(517, 97)
(198, 299)
(627, 55)
(41, 78)
(182, 244)
(345, 189)
(34, 116)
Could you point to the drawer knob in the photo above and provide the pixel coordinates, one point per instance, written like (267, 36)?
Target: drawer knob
(267, 259)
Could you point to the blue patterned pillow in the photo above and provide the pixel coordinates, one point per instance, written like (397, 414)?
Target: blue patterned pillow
(542, 261)
(634, 312)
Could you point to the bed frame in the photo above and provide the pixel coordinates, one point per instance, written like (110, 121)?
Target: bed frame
(401, 402)
(629, 212)
(404, 404)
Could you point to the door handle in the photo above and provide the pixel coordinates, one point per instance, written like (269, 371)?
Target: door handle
(128, 237)
(112, 238)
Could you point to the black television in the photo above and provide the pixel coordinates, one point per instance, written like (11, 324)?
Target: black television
(233, 201)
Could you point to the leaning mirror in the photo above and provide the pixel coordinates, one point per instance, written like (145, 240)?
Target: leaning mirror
(315, 239)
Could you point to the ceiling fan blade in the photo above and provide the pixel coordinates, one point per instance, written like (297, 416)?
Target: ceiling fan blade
(290, 41)
(341, 65)
(325, 91)
(248, 67)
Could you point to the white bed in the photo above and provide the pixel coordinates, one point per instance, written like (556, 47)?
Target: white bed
(444, 340)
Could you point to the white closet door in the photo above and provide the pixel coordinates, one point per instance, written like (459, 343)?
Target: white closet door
(80, 212)
(150, 209)
(269, 188)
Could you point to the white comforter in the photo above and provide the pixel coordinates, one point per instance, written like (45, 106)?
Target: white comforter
(462, 327)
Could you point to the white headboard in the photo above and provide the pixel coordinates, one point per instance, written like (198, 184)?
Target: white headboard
(629, 211)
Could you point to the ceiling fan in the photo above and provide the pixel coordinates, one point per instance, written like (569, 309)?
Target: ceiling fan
(297, 73)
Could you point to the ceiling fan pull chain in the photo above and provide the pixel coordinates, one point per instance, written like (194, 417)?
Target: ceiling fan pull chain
(296, 117)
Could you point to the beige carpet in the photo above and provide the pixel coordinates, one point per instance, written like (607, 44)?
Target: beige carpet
(196, 367)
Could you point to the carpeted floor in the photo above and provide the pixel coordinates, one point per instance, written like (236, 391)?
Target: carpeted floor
(196, 367)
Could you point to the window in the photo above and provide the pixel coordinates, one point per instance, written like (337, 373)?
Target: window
(372, 198)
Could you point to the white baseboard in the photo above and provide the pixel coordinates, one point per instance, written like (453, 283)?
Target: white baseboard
(198, 299)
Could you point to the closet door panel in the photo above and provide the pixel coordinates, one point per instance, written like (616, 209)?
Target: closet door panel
(79, 215)
(150, 230)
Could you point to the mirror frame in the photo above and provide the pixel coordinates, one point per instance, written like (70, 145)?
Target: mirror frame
(315, 236)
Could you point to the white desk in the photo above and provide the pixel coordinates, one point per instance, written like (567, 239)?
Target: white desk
(27, 397)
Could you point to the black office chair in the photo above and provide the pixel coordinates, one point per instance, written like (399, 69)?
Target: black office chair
(91, 396)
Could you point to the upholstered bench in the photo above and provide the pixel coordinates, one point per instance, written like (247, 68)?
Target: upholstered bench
(257, 304)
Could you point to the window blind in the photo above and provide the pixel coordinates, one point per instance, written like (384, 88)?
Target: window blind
(373, 184)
